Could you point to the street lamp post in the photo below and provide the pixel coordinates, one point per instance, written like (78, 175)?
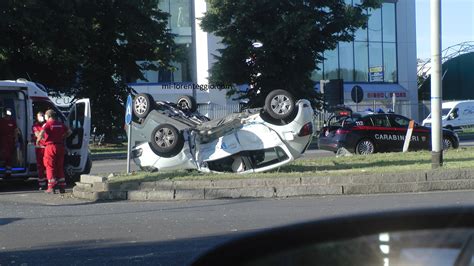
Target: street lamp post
(436, 85)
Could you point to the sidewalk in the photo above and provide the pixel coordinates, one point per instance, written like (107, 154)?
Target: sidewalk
(99, 188)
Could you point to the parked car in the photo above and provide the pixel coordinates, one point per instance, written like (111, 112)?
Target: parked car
(457, 116)
(168, 136)
(368, 132)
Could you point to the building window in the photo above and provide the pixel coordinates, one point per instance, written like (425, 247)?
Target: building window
(180, 24)
(376, 69)
(331, 65)
(317, 74)
(390, 62)
(374, 25)
(361, 61)
(372, 57)
(346, 64)
(180, 20)
(360, 35)
(388, 22)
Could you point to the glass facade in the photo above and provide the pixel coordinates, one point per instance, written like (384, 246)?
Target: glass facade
(346, 66)
(180, 23)
(371, 57)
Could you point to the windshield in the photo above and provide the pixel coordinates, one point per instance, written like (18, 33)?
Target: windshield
(444, 113)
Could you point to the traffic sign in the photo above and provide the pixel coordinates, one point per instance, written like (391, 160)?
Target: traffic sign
(128, 110)
(128, 121)
(357, 94)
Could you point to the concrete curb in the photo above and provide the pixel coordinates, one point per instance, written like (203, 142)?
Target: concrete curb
(97, 188)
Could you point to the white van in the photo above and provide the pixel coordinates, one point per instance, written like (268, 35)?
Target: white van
(457, 116)
(26, 99)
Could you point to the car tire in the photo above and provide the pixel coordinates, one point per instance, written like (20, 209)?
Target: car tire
(365, 146)
(279, 104)
(187, 103)
(447, 143)
(166, 140)
(450, 128)
(143, 103)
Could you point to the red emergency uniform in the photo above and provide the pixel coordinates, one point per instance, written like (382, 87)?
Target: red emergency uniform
(54, 133)
(8, 130)
(39, 151)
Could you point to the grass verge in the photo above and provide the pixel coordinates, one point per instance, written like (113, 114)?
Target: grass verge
(351, 165)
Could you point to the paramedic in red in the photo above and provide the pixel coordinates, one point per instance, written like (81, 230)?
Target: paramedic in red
(54, 133)
(9, 132)
(39, 150)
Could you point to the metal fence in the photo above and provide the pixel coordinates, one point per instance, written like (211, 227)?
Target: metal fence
(419, 110)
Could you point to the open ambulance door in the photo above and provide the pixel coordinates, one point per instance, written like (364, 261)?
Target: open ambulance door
(79, 121)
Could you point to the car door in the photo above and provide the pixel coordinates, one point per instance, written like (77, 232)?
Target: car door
(386, 137)
(468, 114)
(422, 137)
(400, 125)
(79, 121)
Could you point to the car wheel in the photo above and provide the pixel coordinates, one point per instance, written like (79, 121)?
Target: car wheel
(279, 104)
(365, 146)
(187, 103)
(450, 128)
(142, 105)
(166, 140)
(447, 143)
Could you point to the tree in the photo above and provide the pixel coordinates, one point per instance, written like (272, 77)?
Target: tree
(85, 48)
(294, 34)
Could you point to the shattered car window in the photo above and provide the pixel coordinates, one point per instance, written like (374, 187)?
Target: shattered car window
(262, 158)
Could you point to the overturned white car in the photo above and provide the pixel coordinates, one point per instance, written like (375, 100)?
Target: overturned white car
(168, 136)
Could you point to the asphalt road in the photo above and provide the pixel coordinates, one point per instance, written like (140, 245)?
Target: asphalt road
(39, 229)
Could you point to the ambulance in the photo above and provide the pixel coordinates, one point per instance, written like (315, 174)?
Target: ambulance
(25, 99)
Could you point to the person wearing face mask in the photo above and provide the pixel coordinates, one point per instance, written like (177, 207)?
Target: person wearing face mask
(53, 133)
(39, 150)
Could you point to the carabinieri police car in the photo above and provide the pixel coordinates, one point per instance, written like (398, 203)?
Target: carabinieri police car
(368, 132)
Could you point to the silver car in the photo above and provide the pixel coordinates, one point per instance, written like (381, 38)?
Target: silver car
(168, 136)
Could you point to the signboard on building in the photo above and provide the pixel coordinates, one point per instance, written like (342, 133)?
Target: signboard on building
(386, 95)
(376, 74)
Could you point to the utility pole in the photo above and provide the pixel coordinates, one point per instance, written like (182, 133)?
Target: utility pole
(436, 85)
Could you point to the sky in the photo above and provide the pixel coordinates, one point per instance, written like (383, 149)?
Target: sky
(457, 24)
